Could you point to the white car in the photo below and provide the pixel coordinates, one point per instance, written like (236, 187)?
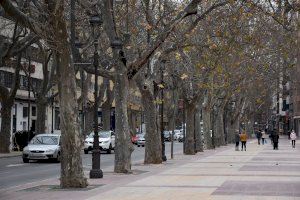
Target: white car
(106, 141)
(177, 133)
(43, 147)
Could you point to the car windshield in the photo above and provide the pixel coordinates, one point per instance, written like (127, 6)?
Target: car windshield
(45, 140)
(140, 136)
(101, 134)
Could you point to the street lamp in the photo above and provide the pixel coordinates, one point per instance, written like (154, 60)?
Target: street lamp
(96, 172)
(52, 107)
(164, 158)
(29, 103)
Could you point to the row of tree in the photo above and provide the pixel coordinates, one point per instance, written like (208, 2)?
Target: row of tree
(222, 58)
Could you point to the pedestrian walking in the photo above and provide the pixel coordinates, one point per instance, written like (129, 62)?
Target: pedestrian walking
(264, 137)
(237, 140)
(258, 136)
(243, 138)
(293, 137)
(275, 139)
(271, 136)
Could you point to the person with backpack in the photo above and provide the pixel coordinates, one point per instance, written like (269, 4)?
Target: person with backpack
(293, 137)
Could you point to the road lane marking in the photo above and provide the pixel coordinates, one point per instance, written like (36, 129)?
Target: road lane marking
(14, 165)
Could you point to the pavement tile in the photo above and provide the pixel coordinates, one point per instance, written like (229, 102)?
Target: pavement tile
(221, 174)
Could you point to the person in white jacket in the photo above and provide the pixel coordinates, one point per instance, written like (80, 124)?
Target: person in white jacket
(293, 137)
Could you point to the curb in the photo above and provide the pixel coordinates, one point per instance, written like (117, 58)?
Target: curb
(9, 156)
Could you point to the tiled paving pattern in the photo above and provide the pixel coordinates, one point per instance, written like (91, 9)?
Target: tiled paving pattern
(259, 188)
(283, 168)
(260, 173)
(275, 159)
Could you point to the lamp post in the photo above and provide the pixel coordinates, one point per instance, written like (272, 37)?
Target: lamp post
(52, 107)
(141, 126)
(164, 158)
(96, 172)
(29, 103)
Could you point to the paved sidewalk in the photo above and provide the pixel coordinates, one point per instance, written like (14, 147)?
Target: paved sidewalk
(221, 174)
(11, 154)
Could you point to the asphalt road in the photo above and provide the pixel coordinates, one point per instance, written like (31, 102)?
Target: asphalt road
(14, 172)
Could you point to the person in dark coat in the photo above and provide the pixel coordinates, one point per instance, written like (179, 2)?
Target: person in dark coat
(275, 139)
(258, 136)
(237, 140)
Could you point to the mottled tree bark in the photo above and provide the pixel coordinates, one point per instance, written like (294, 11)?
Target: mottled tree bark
(207, 127)
(198, 134)
(124, 147)
(71, 164)
(7, 99)
(106, 108)
(41, 106)
(189, 147)
(219, 128)
(5, 126)
(153, 146)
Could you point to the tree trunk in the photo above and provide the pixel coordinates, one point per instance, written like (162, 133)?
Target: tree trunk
(106, 116)
(153, 146)
(233, 125)
(5, 133)
(89, 116)
(207, 127)
(189, 147)
(106, 106)
(198, 134)
(124, 147)
(41, 106)
(219, 127)
(71, 164)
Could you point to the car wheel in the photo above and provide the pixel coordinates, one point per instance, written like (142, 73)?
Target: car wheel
(138, 145)
(143, 145)
(86, 151)
(25, 160)
(58, 157)
(108, 151)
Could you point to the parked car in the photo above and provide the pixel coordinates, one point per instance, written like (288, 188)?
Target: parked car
(177, 132)
(43, 147)
(106, 141)
(180, 137)
(141, 140)
(167, 135)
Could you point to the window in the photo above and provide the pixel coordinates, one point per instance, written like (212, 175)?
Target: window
(25, 112)
(33, 111)
(6, 78)
(46, 140)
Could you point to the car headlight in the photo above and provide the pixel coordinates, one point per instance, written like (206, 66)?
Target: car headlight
(25, 151)
(105, 142)
(49, 151)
